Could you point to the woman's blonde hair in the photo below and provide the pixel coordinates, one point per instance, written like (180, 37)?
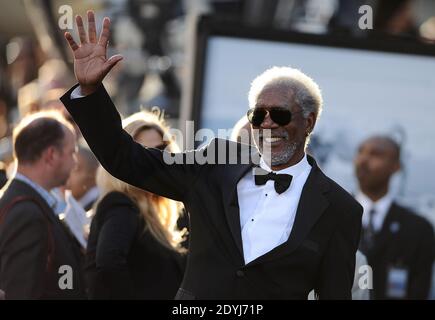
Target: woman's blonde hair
(160, 214)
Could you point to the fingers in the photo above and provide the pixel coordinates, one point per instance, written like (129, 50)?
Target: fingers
(92, 30)
(104, 37)
(111, 62)
(81, 29)
(73, 45)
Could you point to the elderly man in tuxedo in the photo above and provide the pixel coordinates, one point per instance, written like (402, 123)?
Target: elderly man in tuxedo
(273, 227)
(241, 132)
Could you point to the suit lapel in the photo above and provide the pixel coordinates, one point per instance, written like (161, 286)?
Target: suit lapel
(233, 174)
(311, 205)
(232, 210)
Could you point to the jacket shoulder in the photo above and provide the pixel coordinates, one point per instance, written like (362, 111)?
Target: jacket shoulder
(24, 215)
(412, 219)
(115, 202)
(24, 208)
(116, 198)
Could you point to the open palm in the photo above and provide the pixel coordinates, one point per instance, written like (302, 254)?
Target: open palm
(90, 62)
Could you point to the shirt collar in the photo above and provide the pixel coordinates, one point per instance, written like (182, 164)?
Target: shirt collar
(294, 170)
(381, 207)
(47, 196)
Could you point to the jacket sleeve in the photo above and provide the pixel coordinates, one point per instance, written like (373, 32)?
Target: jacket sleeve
(338, 265)
(160, 172)
(24, 252)
(117, 235)
(421, 271)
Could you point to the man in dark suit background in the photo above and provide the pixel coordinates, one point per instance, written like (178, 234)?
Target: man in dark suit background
(275, 234)
(399, 244)
(35, 249)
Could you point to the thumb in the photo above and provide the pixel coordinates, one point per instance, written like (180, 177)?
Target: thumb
(111, 62)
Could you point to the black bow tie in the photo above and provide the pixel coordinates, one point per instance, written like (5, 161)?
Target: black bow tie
(282, 181)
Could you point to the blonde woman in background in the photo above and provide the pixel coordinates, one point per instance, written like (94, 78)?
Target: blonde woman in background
(134, 247)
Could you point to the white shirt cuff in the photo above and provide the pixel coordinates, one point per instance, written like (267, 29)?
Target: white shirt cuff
(76, 93)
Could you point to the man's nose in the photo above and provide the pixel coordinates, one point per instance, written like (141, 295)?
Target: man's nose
(268, 122)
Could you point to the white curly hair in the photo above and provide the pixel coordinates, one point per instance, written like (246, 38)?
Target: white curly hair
(307, 93)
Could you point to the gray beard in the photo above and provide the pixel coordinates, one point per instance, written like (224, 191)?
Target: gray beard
(283, 157)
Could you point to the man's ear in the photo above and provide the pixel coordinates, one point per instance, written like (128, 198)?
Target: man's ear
(397, 166)
(49, 154)
(310, 123)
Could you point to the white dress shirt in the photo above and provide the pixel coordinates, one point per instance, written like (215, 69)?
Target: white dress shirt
(76, 93)
(266, 217)
(381, 208)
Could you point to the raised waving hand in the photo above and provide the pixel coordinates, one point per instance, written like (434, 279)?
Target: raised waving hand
(90, 56)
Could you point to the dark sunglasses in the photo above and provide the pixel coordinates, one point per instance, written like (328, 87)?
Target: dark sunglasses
(281, 116)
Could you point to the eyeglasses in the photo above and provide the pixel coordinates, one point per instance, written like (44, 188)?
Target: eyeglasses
(281, 116)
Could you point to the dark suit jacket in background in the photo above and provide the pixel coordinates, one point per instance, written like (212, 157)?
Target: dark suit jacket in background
(123, 260)
(406, 241)
(319, 254)
(24, 241)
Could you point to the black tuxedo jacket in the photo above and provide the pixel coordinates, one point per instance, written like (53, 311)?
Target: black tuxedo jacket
(319, 254)
(406, 242)
(24, 247)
